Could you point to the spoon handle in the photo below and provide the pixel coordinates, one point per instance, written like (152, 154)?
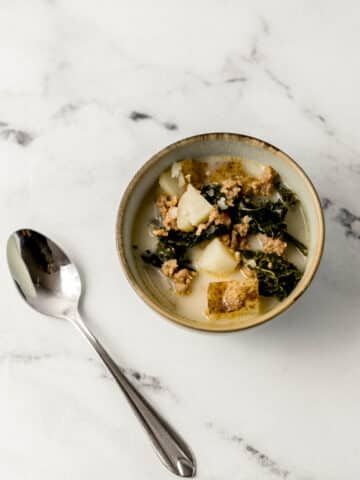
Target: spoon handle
(171, 448)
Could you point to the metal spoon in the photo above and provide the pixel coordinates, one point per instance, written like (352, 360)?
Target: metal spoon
(50, 283)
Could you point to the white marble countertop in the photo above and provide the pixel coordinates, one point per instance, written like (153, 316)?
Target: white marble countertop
(280, 401)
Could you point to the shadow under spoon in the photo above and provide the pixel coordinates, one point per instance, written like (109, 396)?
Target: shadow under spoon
(50, 283)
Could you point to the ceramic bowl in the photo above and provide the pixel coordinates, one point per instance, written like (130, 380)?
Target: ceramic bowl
(217, 144)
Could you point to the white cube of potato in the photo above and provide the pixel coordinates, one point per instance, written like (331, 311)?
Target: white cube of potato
(169, 184)
(193, 209)
(176, 172)
(217, 258)
(176, 169)
(183, 222)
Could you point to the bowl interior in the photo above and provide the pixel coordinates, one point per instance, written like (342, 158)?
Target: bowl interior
(197, 147)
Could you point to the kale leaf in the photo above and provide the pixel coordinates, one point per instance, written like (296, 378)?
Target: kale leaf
(299, 245)
(287, 196)
(266, 217)
(214, 230)
(277, 277)
(177, 243)
(212, 193)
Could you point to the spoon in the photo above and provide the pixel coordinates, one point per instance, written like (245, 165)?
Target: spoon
(50, 283)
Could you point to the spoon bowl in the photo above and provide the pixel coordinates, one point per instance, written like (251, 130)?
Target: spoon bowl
(50, 283)
(43, 274)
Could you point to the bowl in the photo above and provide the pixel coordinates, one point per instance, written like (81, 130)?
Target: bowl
(217, 144)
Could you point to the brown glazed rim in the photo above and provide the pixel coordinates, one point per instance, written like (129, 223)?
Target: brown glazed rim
(259, 319)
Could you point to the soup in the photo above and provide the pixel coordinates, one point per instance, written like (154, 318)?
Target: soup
(220, 237)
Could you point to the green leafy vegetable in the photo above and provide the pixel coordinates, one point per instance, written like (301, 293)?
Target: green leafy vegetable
(277, 276)
(269, 218)
(299, 245)
(211, 232)
(177, 243)
(287, 196)
(212, 193)
(266, 217)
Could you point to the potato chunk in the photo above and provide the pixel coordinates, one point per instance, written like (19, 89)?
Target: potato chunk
(233, 297)
(193, 209)
(175, 179)
(217, 258)
(169, 184)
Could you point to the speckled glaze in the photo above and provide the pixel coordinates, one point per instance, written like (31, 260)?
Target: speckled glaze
(218, 144)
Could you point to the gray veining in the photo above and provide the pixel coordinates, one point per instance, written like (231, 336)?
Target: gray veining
(87, 94)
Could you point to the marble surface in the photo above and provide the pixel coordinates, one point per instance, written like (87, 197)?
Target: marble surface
(88, 91)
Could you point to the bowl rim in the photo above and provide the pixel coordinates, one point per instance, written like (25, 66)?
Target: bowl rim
(224, 136)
